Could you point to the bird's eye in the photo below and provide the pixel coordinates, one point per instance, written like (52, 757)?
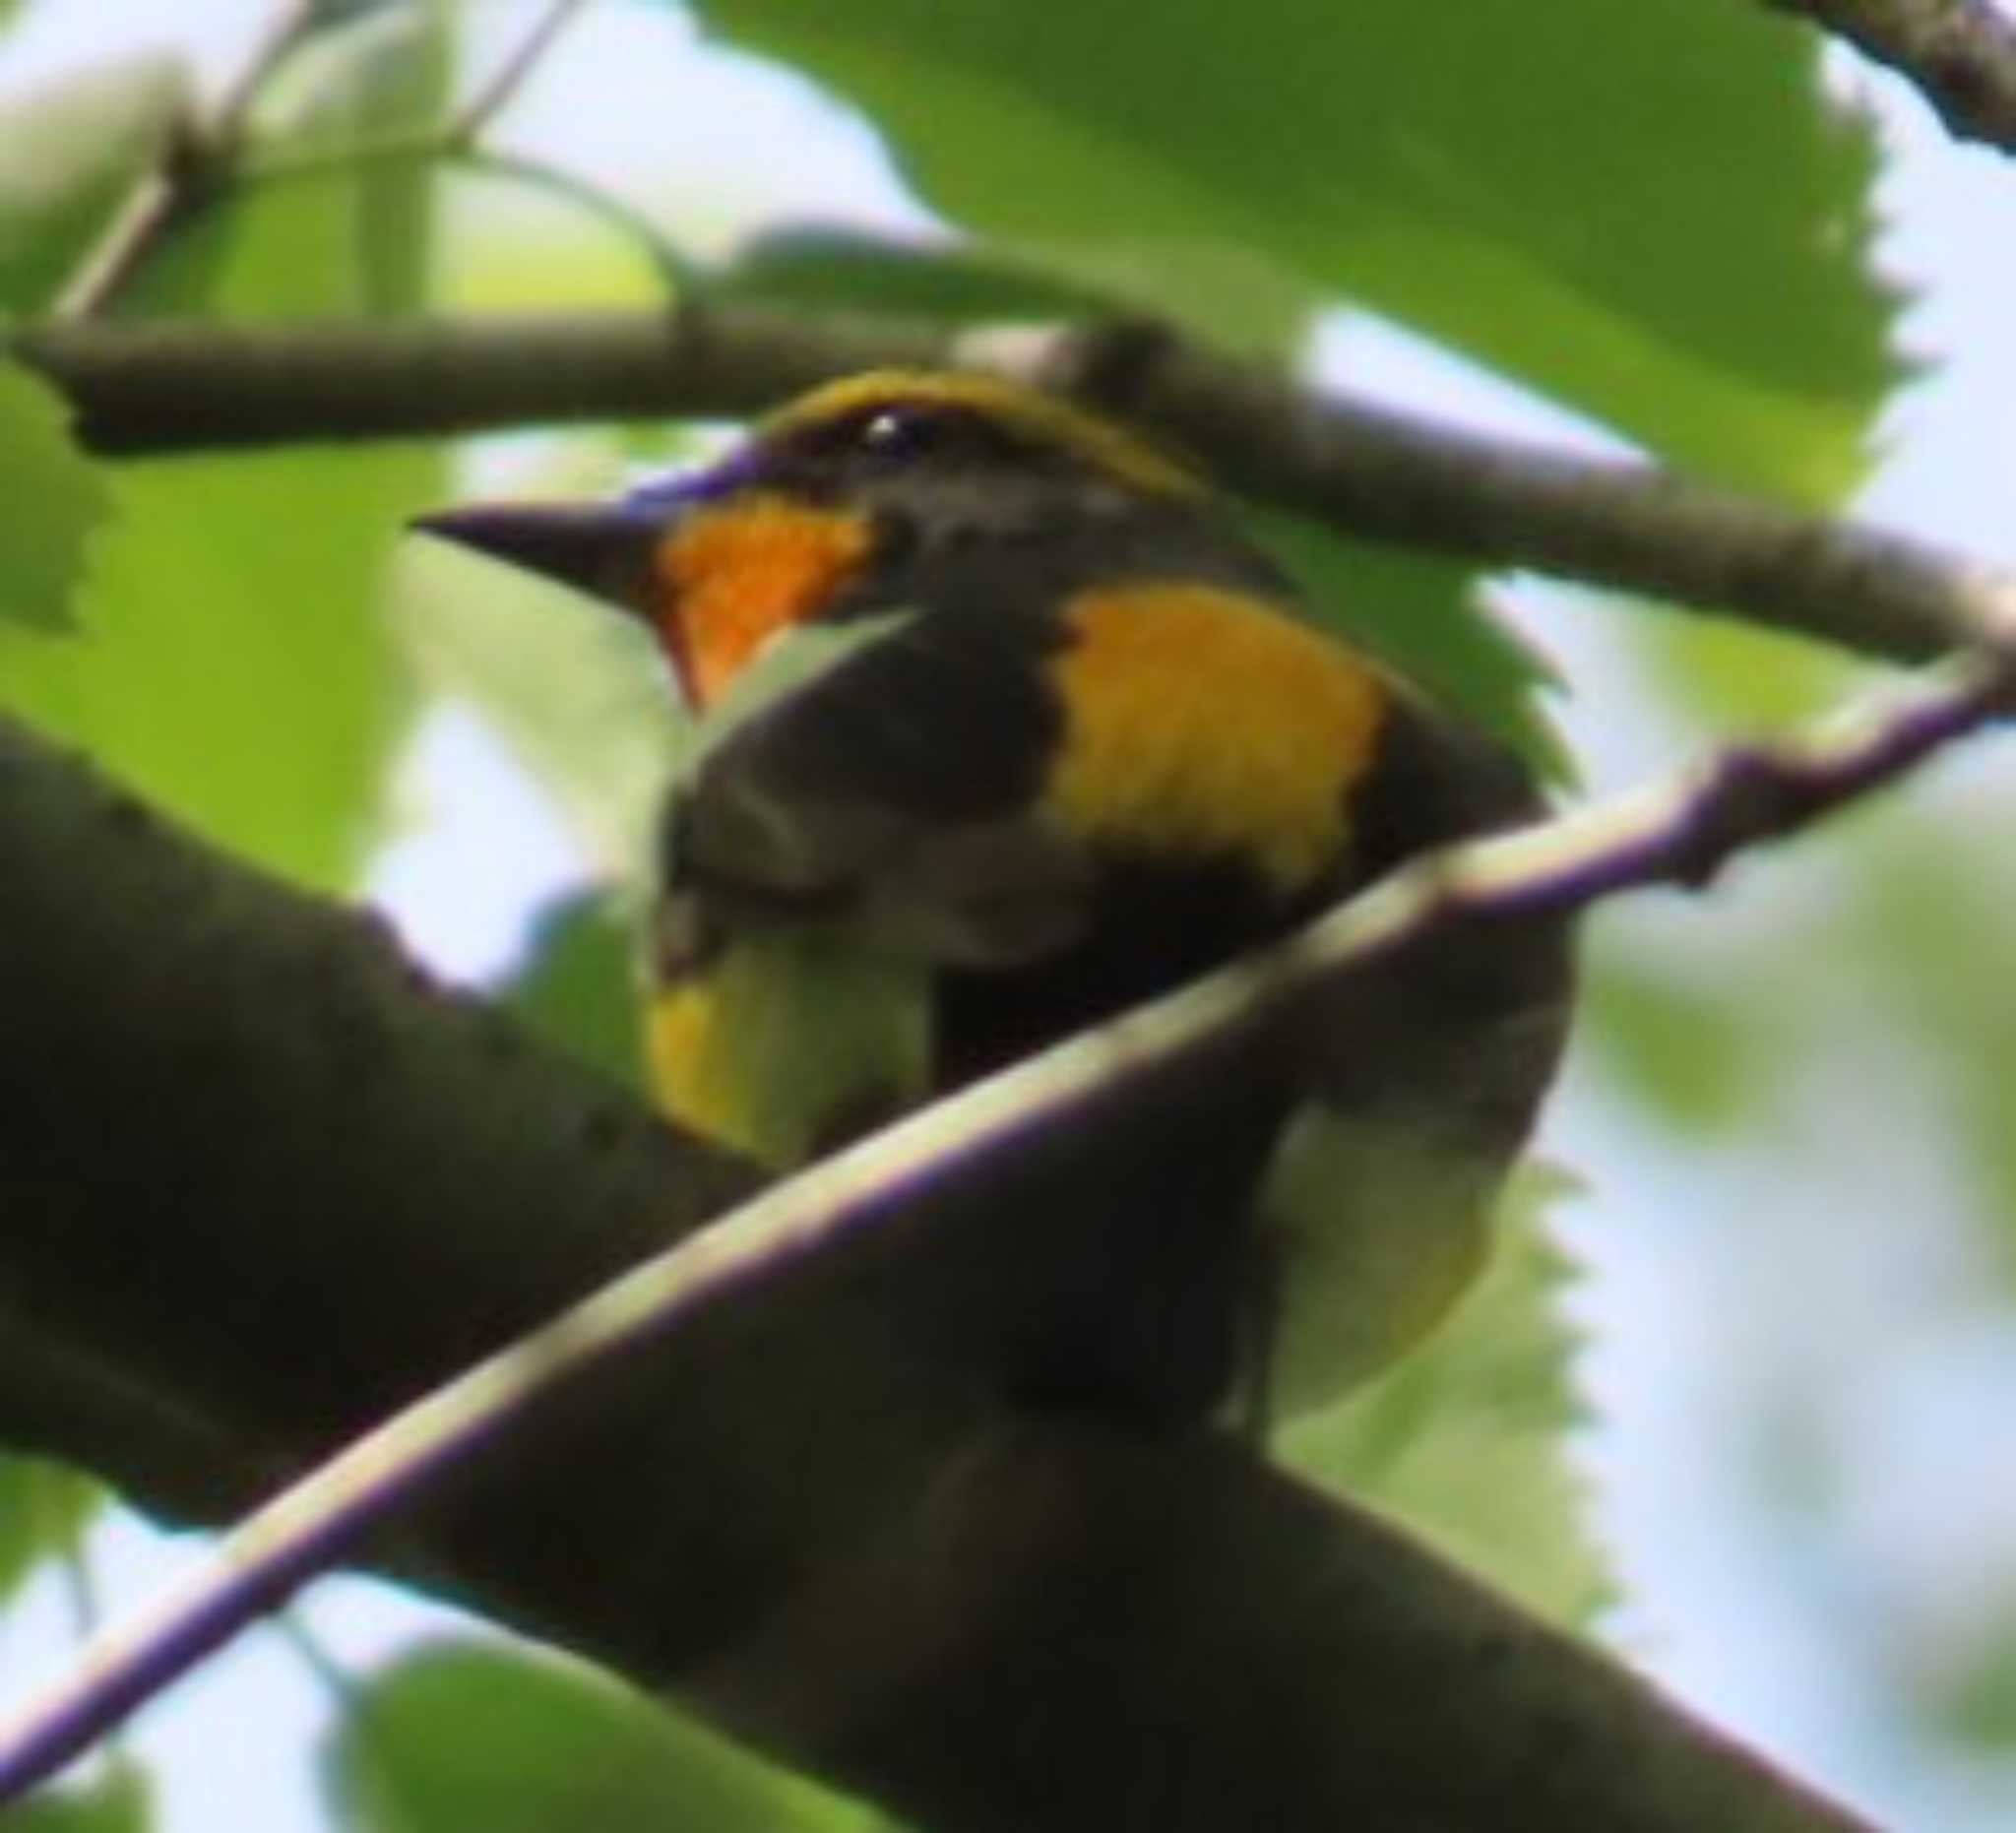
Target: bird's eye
(896, 432)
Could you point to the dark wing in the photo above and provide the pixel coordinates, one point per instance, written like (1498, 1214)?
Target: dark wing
(886, 775)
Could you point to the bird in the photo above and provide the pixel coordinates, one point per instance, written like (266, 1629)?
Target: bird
(1004, 726)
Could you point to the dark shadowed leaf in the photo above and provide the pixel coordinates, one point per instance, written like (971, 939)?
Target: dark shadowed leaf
(578, 985)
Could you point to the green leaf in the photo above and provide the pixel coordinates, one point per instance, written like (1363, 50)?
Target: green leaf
(822, 268)
(1648, 212)
(459, 1735)
(232, 668)
(1929, 925)
(44, 1509)
(1691, 1052)
(1464, 1440)
(363, 71)
(383, 73)
(1421, 614)
(1978, 1706)
(75, 149)
(1729, 674)
(234, 664)
(118, 1800)
(52, 500)
(578, 986)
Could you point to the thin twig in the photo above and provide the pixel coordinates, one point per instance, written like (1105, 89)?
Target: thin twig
(1367, 468)
(282, 31)
(202, 168)
(1959, 55)
(199, 162)
(446, 146)
(493, 96)
(191, 162)
(1680, 831)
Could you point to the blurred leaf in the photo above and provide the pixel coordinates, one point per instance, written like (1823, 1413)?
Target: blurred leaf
(1978, 1706)
(234, 664)
(461, 1735)
(384, 72)
(821, 267)
(1466, 1440)
(44, 1509)
(578, 987)
(522, 241)
(1420, 614)
(1690, 1052)
(406, 80)
(75, 148)
(118, 1800)
(1232, 167)
(1739, 676)
(365, 70)
(1930, 917)
(346, 12)
(51, 498)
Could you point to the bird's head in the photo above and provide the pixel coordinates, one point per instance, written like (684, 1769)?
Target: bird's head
(831, 502)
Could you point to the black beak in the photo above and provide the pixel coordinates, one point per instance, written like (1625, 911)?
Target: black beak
(603, 549)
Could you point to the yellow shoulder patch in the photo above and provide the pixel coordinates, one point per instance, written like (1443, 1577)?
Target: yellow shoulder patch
(1203, 723)
(1034, 415)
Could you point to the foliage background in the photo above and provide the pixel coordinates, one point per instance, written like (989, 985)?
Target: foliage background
(1790, 1110)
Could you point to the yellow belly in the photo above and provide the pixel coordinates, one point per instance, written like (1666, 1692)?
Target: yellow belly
(789, 1042)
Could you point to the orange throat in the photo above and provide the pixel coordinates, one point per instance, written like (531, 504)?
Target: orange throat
(731, 578)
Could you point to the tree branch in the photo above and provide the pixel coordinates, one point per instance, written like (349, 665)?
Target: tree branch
(911, 1203)
(1368, 470)
(1959, 55)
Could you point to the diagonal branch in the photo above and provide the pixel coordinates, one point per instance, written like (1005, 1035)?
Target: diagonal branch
(205, 160)
(189, 167)
(1367, 468)
(1959, 55)
(1681, 832)
(501, 90)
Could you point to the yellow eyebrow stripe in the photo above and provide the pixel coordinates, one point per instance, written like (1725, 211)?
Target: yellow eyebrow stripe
(1151, 761)
(1041, 418)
